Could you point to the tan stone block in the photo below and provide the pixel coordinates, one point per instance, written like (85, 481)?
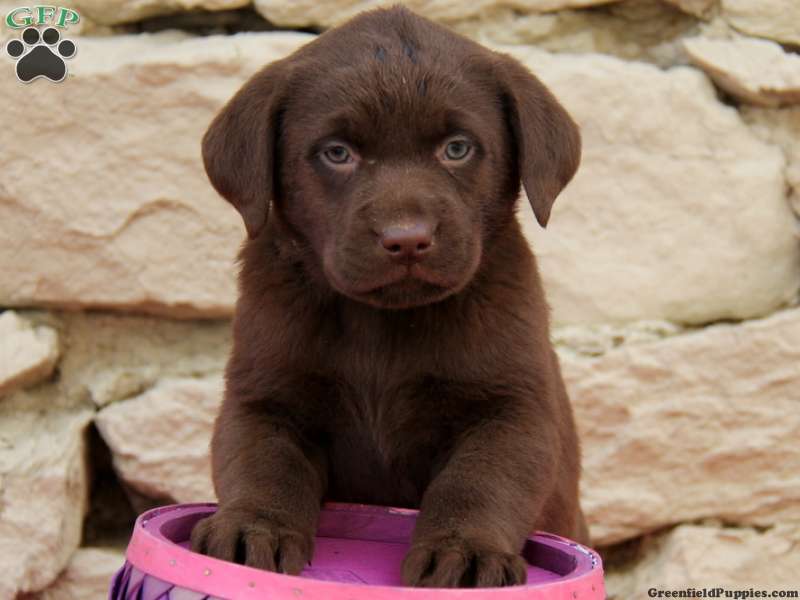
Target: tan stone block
(43, 485)
(28, 353)
(758, 72)
(700, 424)
(696, 556)
(87, 576)
(160, 440)
(777, 20)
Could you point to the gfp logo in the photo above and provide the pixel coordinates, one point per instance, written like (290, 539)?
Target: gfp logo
(23, 17)
(41, 53)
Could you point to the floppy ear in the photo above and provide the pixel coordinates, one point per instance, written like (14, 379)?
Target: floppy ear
(547, 139)
(239, 147)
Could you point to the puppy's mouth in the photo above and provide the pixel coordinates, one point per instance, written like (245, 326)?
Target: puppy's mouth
(405, 276)
(401, 286)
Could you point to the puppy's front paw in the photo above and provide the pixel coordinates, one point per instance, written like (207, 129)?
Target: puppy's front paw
(458, 562)
(253, 539)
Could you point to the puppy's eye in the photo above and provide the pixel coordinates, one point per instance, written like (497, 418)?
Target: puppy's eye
(338, 154)
(457, 150)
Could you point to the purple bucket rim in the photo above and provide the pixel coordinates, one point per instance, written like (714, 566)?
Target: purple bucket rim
(151, 552)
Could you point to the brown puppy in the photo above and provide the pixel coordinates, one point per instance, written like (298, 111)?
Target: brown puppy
(391, 337)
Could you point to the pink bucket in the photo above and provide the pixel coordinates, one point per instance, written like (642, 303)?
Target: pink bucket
(357, 556)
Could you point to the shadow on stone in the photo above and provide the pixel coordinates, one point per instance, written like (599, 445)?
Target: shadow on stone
(111, 515)
(208, 22)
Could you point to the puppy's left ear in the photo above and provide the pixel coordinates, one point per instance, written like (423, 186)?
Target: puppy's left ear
(547, 139)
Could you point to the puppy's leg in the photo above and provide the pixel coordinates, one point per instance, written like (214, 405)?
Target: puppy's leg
(477, 512)
(270, 483)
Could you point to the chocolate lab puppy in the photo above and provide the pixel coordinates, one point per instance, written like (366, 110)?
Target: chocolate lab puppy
(391, 337)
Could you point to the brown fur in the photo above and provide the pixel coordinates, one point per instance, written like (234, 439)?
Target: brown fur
(362, 375)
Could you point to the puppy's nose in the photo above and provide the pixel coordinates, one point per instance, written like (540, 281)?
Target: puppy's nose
(409, 241)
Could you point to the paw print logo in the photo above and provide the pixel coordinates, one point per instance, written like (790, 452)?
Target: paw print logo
(41, 55)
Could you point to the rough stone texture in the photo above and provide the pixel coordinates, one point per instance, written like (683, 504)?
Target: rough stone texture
(694, 556)
(27, 354)
(596, 340)
(112, 357)
(124, 11)
(87, 576)
(310, 13)
(43, 487)
(696, 425)
(722, 446)
(647, 30)
(698, 8)
(756, 71)
(781, 127)
(677, 218)
(172, 460)
(135, 223)
(137, 226)
(664, 166)
(777, 20)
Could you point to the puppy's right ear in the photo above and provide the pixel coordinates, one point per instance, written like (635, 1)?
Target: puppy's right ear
(239, 147)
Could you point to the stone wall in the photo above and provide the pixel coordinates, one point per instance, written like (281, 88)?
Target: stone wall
(672, 265)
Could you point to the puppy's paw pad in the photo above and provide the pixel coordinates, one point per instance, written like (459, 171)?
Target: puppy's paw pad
(41, 54)
(461, 563)
(252, 539)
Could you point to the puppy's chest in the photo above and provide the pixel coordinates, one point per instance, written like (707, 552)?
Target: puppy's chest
(385, 445)
(405, 426)
(381, 404)
(397, 400)
(387, 420)
(399, 410)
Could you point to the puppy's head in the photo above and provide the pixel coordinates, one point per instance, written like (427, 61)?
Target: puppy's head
(394, 149)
